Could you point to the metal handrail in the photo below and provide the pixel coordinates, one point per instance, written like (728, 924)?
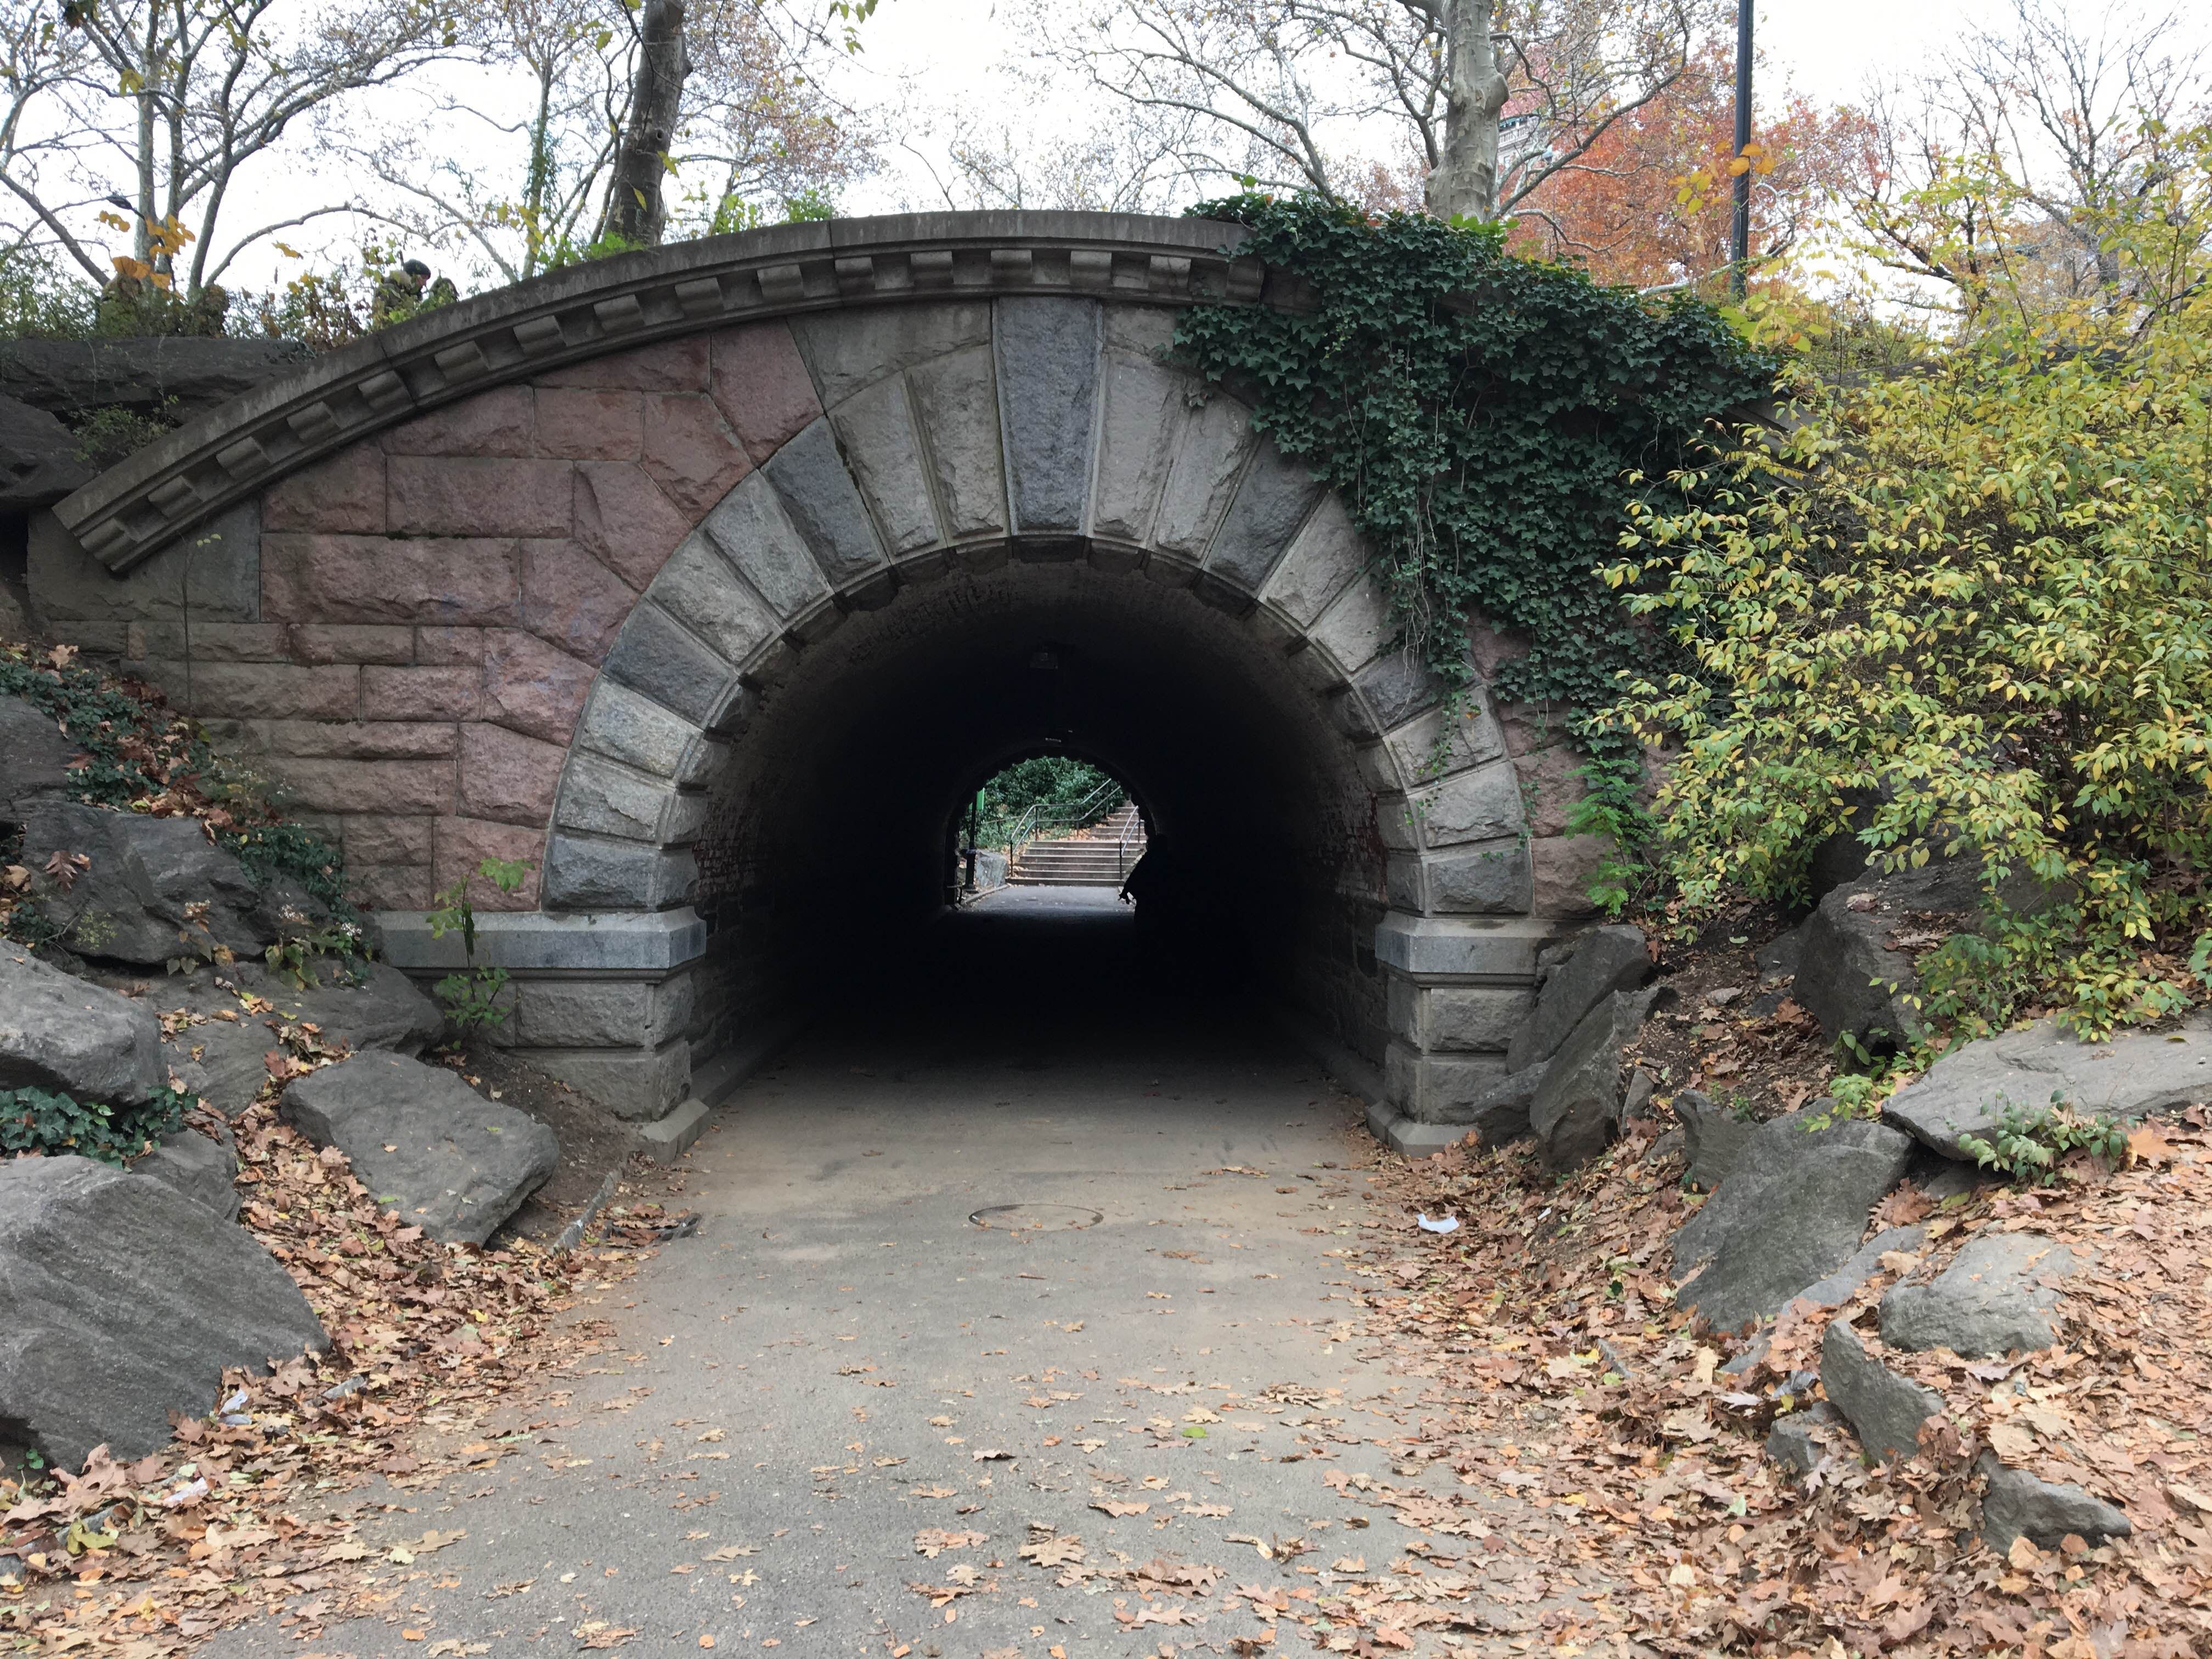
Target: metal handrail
(1030, 826)
(1133, 827)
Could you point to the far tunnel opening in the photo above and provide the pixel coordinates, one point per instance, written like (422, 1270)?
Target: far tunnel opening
(834, 863)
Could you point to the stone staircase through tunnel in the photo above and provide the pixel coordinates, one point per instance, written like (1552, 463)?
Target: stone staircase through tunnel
(1096, 857)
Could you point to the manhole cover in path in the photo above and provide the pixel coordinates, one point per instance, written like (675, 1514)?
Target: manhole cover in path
(1037, 1218)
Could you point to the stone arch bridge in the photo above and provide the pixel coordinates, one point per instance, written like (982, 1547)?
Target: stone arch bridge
(709, 579)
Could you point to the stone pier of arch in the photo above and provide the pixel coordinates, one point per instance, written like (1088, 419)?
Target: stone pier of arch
(683, 574)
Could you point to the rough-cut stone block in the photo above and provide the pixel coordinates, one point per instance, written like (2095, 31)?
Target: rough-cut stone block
(625, 726)
(1482, 805)
(507, 777)
(658, 657)
(698, 585)
(354, 739)
(1998, 1296)
(448, 648)
(376, 579)
(1325, 556)
(375, 838)
(1466, 1018)
(348, 786)
(212, 642)
(670, 365)
(1271, 504)
(215, 571)
(756, 535)
(875, 429)
(389, 886)
(277, 691)
(1357, 627)
(1562, 868)
(362, 643)
(1143, 414)
(531, 687)
(572, 599)
(1441, 740)
(456, 495)
(824, 504)
(600, 798)
(666, 1140)
(556, 1013)
(1048, 381)
(640, 1084)
(61, 1034)
(424, 1142)
(849, 350)
(690, 452)
(625, 521)
(462, 845)
(497, 422)
(123, 1302)
(580, 423)
(422, 694)
(594, 875)
(763, 386)
(1488, 879)
(344, 493)
(958, 402)
(1208, 455)
(1437, 1088)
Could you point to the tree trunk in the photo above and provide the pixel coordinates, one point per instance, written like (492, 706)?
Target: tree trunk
(634, 209)
(1464, 184)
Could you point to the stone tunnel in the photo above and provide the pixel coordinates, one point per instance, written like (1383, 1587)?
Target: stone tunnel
(711, 580)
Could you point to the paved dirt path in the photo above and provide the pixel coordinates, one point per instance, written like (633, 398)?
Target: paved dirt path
(840, 1361)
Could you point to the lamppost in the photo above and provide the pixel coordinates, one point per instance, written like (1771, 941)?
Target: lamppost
(1740, 233)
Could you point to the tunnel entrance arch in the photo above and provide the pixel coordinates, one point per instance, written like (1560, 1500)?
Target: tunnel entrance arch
(669, 573)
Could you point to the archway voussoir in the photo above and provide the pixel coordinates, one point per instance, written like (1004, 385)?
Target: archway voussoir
(1272, 501)
(1490, 878)
(656, 657)
(756, 536)
(849, 351)
(1047, 360)
(1326, 557)
(956, 397)
(1145, 408)
(1437, 742)
(876, 433)
(599, 798)
(698, 585)
(625, 725)
(1209, 450)
(1356, 629)
(1170, 569)
(1116, 558)
(1482, 804)
(583, 873)
(824, 504)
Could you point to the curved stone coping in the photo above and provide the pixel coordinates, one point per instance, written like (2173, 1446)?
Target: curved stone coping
(143, 504)
(612, 941)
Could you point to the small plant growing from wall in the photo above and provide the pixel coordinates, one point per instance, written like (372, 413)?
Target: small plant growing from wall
(472, 996)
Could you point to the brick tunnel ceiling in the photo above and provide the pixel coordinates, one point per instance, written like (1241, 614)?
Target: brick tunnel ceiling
(847, 773)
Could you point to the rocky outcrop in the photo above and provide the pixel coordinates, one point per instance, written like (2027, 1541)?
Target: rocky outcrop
(194, 1166)
(1712, 1137)
(361, 1005)
(2134, 1075)
(1795, 1441)
(2016, 1504)
(122, 1301)
(425, 1143)
(1849, 975)
(39, 459)
(1575, 1110)
(1791, 1212)
(178, 376)
(1996, 1297)
(34, 756)
(133, 900)
(59, 1034)
(1603, 962)
(1886, 1410)
(1500, 1113)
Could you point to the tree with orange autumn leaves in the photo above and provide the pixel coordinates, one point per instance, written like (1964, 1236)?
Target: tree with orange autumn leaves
(1648, 203)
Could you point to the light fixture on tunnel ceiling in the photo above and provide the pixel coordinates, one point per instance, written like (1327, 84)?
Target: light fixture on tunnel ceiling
(1045, 657)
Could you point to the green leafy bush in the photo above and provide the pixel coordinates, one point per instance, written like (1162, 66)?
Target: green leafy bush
(36, 1121)
(1967, 612)
(1067, 791)
(2031, 1140)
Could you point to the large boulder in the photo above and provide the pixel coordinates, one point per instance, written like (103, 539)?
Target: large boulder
(1998, 1296)
(39, 459)
(34, 755)
(122, 1301)
(194, 1166)
(1603, 962)
(128, 902)
(173, 375)
(1499, 1113)
(425, 1143)
(1966, 1091)
(2015, 1503)
(357, 1005)
(1850, 976)
(60, 1033)
(1575, 1110)
(1791, 1212)
(1885, 1409)
(1713, 1137)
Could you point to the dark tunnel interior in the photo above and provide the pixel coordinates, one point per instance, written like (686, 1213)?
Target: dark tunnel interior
(830, 842)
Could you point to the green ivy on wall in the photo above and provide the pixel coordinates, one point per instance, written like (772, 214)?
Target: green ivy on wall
(1479, 415)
